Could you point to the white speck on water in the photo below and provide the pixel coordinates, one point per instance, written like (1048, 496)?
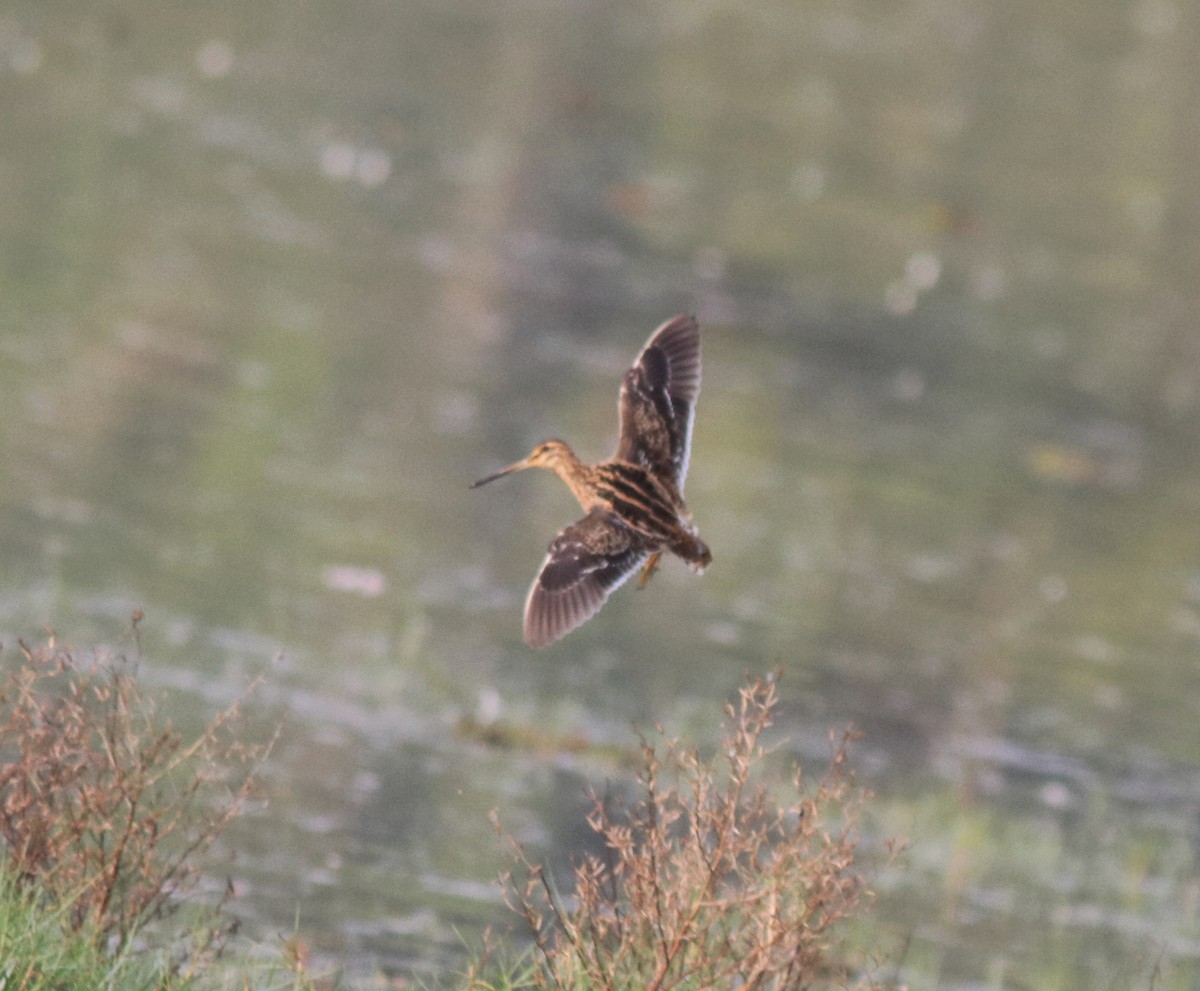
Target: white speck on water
(372, 167)
(343, 161)
(1053, 588)
(337, 160)
(725, 634)
(929, 568)
(215, 59)
(1093, 647)
(1055, 795)
(908, 384)
(346, 578)
(489, 705)
(923, 270)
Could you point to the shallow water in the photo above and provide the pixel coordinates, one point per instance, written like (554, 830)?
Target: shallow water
(281, 281)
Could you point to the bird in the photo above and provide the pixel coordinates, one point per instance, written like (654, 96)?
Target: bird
(633, 502)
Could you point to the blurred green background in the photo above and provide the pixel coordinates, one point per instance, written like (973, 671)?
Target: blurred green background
(278, 280)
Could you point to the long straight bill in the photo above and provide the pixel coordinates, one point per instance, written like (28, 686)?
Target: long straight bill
(501, 473)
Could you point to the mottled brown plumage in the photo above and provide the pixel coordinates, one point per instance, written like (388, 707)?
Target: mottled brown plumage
(634, 501)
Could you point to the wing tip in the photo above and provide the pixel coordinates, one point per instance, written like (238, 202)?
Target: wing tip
(678, 321)
(679, 340)
(550, 616)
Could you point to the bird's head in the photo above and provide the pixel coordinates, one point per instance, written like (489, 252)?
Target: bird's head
(548, 454)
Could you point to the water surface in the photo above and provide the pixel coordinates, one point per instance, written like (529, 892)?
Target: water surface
(281, 280)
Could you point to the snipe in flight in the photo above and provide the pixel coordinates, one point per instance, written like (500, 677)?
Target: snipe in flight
(634, 501)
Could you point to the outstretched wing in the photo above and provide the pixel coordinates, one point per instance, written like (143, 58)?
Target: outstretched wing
(658, 401)
(587, 561)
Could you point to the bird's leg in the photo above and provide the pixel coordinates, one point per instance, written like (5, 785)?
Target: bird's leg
(650, 567)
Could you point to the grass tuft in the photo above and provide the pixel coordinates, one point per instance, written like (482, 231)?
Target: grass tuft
(707, 879)
(104, 807)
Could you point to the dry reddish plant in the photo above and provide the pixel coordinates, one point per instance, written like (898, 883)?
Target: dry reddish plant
(709, 881)
(103, 806)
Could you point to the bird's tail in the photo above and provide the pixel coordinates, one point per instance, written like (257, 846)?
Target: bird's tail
(693, 550)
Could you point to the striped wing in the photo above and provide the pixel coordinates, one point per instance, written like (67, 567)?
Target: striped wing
(587, 561)
(658, 401)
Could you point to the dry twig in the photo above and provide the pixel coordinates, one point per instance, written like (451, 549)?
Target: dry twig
(103, 806)
(708, 881)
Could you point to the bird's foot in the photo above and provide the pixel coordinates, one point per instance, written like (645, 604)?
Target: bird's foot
(648, 570)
